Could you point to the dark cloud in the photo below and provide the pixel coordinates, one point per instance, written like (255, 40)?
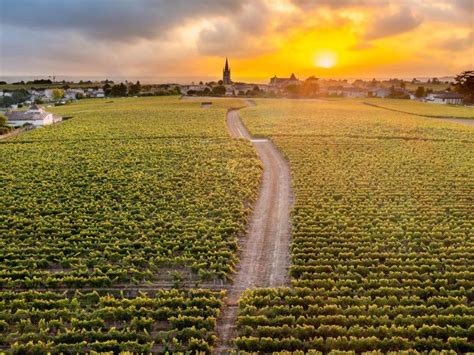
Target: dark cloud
(112, 19)
(238, 35)
(403, 20)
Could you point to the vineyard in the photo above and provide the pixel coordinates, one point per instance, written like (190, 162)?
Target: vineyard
(423, 108)
(169, 321)
(122, 227)
(134, 194)
(383, 233)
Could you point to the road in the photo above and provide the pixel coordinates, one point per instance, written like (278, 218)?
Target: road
(265, 257)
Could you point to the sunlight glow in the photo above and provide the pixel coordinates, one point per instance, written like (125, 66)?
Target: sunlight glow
(325, 59)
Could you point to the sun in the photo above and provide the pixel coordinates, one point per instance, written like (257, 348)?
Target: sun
(326, 59)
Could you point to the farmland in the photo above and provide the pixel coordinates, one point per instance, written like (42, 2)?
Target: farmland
(135, 194)
(382, 232)
(122, 229)
(423, 108)
(52, 322)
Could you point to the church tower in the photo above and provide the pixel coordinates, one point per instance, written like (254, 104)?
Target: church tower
(226, 74)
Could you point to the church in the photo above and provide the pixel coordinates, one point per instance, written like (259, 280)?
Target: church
(226, 74)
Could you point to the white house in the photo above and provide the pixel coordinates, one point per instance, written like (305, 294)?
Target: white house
(35, 116)
(229, 90)
(48, 94)
(99, 93)
(354, 92)
(71, 94)
(445, 97)
(381, 93)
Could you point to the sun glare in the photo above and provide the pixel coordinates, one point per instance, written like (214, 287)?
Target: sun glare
(325, 59)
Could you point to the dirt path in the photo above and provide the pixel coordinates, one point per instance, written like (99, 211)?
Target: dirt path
(265, 256)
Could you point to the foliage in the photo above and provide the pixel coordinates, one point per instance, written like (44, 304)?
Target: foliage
(420, 92)
(42, 322)
(218, 90)
(16, 97)
(123, 191)
(58, 94)
(119, 90)
(464, 83)
(382, 233)
(134, 89)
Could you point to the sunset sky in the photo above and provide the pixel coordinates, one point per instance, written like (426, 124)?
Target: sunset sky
(190, 38)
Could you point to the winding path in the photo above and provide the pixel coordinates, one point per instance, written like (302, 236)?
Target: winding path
(264, 258)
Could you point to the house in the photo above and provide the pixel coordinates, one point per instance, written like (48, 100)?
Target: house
(381, 93)
(244, 87)
(99, 93)
(334, 90)
(35, 116)
(354, 92)
(229, 90)
(284, 82)
(445, 97)
(71, 94)
(48, 94)
(193, 89)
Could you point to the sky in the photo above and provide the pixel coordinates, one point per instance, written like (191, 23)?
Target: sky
(261, 38)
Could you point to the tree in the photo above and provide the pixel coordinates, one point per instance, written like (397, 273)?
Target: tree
(218, 90)
(464, 84)
(119, 90)
(4, 127)
(310, 87)
(135, 89)
(292, 89)
(420, 91)
(3, 120)
(107, 89)
(58, 94)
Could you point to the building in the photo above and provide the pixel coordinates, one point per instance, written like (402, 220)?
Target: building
(382, 93)
(72, 94)
(354, 92)
(229, 91)
(226, 74)
(35, 116)
(445, 97)
(283, 82)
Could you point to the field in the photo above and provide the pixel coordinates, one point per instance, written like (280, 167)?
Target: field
(424, 108)
(382, 232)
(123, 226)
(134, 194)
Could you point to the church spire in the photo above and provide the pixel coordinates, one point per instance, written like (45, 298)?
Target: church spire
(226, 74)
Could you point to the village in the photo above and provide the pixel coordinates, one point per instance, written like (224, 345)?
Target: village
(14, 101)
